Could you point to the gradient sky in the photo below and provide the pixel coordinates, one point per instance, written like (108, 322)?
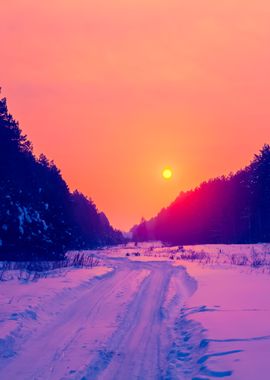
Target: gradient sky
(115, 90)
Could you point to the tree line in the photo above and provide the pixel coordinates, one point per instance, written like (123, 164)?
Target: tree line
(39, 216)
(227, 209)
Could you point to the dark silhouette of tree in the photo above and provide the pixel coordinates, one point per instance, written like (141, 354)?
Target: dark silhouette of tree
(39, 217)
(228, 209)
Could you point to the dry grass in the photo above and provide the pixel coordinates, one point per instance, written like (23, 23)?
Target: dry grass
(34, 270)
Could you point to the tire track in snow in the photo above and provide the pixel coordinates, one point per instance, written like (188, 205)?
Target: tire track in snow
(58, 348)
(139, 348)
(113, 328)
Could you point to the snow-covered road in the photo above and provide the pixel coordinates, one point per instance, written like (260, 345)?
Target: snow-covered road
(137, 318)
(112, 328)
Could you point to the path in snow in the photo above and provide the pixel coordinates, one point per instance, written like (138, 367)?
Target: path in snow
(117, 327)
(138, 320)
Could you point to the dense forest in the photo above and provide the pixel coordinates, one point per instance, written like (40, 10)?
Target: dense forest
(39, 216)
(228, 209)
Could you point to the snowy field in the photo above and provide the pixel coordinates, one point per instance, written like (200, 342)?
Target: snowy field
(144, 312)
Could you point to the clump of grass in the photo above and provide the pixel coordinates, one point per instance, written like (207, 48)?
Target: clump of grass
(257, 259)
(194, 255)
(239, 259)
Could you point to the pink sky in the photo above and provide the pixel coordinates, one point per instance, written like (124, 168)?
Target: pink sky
(115, 90)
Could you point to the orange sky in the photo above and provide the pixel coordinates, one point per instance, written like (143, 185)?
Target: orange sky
(115, 90)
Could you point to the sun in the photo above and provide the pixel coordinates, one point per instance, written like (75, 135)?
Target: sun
(167, 173)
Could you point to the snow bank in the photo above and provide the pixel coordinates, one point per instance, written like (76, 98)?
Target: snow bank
(26, 304)
(229, 316)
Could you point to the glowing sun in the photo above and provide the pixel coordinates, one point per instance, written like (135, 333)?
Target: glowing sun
(167, 173)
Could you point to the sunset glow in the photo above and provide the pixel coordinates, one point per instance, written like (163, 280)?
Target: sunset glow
(99, 85)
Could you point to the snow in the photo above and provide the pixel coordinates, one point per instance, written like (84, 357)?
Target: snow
(232, 311)
(22, 302)
(144, 313)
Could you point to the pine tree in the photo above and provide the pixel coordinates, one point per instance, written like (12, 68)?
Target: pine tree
(39, 217)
